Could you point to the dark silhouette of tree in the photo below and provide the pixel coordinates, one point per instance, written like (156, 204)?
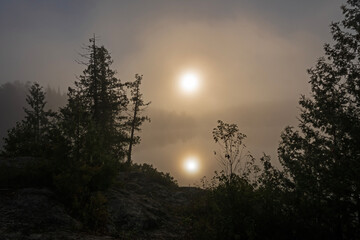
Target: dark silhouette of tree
(73, 123)
(233, 158)
(13, 100)
(36, 116)
(29, 137)
(97, 103)
(136, 118)
(91, 139)
(322, 158)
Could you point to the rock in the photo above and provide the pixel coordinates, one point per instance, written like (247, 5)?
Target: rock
(139, 208)
(145, 207)
(31, 211)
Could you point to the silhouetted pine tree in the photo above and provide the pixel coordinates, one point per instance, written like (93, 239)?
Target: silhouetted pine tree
(96, 107)
(136, 118)
(91, 137)
(29, 137)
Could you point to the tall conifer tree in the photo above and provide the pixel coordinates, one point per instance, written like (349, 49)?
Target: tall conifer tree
(98, 102)
(322, 159)
(28, 137)
(136, 118)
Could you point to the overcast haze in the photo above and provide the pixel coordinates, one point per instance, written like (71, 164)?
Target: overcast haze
(251, 57)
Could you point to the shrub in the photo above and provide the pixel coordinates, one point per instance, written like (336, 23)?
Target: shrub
(227, 210)
(152, 173)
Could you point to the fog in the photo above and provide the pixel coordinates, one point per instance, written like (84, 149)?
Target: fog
(251, 57)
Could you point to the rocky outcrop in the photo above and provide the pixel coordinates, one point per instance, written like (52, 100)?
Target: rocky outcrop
(29, 213)
(139, 208)
(148, 209)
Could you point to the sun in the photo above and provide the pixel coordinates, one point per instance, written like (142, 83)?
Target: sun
(191, 165)
(189, 82)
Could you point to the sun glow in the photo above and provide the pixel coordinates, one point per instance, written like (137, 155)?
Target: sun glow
(189, 82)
(191, 164)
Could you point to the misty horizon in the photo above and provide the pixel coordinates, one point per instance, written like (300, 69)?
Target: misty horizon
(251, 58)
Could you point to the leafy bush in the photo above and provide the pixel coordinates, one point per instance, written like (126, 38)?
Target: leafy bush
(226, 211)
(155, 175)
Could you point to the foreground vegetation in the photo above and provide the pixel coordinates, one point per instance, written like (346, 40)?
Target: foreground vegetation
(316, 193)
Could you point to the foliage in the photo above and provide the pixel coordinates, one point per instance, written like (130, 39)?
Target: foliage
(233, 158)
(322, 157)
(96, 106)
(154, 175)
(30, 136)
(227, 211)
(232, 207)
(135, 120)
(14, 142)
(90, 139)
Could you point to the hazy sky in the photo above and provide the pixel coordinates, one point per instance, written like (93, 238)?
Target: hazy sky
(251, 57)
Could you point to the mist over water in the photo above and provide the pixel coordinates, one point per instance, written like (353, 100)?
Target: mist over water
(251, 57)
